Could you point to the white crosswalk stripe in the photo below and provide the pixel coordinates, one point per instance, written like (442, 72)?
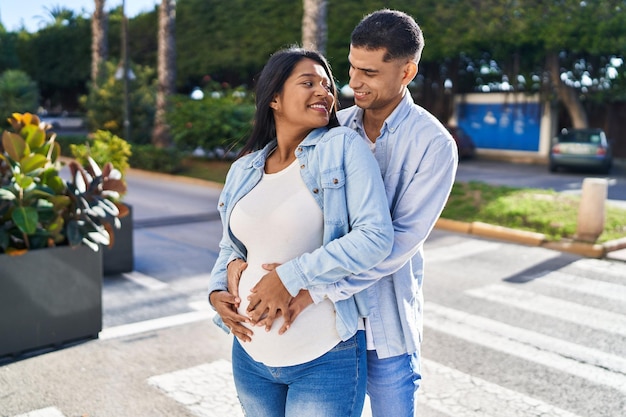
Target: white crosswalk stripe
(457, 394)
(44, 412)
(553, 307)
(596, 366)
(594, 287)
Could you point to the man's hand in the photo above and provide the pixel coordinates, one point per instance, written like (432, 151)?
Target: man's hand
(268, 300)
(234, 270)
(297, 305)
(224, 304)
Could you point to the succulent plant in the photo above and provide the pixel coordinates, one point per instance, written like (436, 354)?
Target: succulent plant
(39, 208)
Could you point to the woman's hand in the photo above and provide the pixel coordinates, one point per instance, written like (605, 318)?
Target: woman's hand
(224, 303)
(269, 299)
(234, 270)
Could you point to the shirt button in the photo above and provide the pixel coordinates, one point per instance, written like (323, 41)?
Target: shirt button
(221, 204)
(335, 181)
(299, 149)
(302, 166)
(315, 191)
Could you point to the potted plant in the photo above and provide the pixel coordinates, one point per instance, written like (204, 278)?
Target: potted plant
(51, 231)
(103, 146)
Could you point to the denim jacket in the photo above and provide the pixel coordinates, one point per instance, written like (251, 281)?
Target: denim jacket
(340, 172)
(418, 160)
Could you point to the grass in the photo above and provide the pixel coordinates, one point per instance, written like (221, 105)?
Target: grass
(537, 210)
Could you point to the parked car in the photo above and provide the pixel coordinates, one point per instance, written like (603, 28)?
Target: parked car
(464, 142)
(581, 149)
(63, 121)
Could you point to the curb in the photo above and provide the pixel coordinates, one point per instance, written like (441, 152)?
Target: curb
(590, 250)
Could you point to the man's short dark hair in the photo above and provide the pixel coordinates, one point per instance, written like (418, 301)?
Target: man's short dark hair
(395, 31)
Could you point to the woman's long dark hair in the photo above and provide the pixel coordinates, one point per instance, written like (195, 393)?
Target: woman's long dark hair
(271, 82)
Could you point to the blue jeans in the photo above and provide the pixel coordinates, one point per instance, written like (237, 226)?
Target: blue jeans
(332, 385)
(392, 384)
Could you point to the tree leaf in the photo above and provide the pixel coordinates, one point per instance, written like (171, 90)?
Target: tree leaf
(26, 219)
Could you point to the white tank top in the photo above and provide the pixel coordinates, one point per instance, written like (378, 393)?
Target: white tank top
(277, 221)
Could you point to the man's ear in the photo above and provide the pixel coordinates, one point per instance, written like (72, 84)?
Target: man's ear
(410, 71)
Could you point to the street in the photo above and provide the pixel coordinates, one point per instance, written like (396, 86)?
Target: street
(510, 330)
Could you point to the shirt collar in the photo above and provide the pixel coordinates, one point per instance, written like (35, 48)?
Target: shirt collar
(394, 119)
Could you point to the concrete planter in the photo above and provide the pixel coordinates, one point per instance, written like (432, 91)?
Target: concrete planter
(120, 258)
(49, 297)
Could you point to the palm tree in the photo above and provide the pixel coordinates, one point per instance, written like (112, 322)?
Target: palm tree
(314, 29)
(57, 16)
(166, 72)
(99, 46)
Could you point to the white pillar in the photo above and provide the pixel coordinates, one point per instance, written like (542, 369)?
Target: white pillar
(591, 212)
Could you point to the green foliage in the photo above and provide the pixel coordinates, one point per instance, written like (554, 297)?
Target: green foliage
(58, 57)
(221, 121)
(18, 93)
(543, 211)
(105, 104)
(151, 158)
(38, 208)
(8, 51)
(103, 146)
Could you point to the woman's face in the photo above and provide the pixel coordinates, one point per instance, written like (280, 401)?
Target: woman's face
(306, 101)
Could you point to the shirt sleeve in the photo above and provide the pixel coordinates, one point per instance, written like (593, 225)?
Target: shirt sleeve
(414, 217)
(368, 237)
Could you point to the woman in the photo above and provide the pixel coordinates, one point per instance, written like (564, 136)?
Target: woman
(308, 195)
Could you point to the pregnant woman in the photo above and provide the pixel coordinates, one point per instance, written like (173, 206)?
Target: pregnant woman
(308, 195)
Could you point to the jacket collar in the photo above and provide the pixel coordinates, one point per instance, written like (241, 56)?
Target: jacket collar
(259, 157)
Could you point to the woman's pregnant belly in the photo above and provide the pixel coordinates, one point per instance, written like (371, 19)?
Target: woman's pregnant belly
(312, 334)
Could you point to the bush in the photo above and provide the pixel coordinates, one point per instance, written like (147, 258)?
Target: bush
(222, 119)
(103, 146)
(18, 94)
(105, 104)
(151, 158)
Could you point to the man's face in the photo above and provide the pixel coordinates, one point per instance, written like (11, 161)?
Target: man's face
(377, 85)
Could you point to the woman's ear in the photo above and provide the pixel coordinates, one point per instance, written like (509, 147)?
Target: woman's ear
(274, 103)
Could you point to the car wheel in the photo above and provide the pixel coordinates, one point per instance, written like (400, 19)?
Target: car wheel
(606, 169)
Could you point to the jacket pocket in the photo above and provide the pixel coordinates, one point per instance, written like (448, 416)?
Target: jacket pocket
(333, 183)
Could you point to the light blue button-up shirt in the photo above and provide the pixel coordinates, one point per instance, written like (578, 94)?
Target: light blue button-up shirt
(338, 169)
(418, 160)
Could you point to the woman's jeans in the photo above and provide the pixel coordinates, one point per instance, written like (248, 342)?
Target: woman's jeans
(392, 384)
(332, 385)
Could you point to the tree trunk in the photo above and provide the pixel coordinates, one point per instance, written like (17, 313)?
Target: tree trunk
(314, 29)
(99, 46)
(166, 72)
(566, 94)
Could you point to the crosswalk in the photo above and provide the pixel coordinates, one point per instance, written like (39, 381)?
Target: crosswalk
(578, 302)
(450, 392)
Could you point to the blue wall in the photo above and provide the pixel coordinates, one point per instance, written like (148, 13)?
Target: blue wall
(510, 126)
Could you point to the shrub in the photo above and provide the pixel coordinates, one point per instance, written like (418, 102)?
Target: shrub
(18, 93)
(151, 158)
(105, 104)
(222, 119)
(103, 146)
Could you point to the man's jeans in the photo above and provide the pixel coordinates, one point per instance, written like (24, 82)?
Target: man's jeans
(392, 384)
(332, 385)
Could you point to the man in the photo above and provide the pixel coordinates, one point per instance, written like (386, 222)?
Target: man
(417, 159)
